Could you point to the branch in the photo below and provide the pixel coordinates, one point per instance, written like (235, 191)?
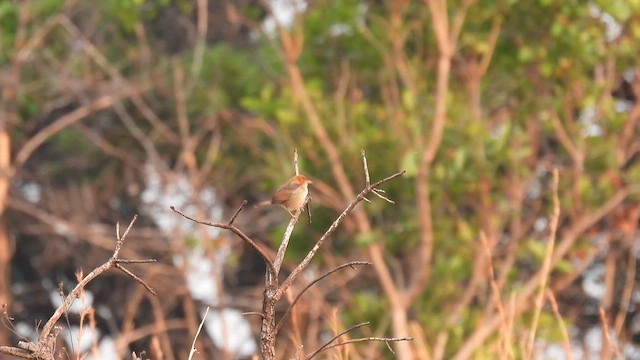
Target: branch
(293, 303)
(193, 350)
(235, 215)
(238, 232)
(326, 345)
(286, 237)
(384, 339)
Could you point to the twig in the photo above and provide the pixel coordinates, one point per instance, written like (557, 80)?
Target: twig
(352, 341)
(295, 161)
(238, 232)
(293, 303)
(235, 215)
(366, 168)
(134, 276)
(310, 356)
(253, 313)
(193, 345)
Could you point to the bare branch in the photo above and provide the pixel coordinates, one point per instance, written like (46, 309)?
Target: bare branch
(135, 277)
(21, 353)
(253, 313)
(378, 194)
(335, 338)
(293, 303)
(235, 215)
(286, 237)
(238, 232)
(366, 168)
(295, 162)
(353, 341)
(193, 345)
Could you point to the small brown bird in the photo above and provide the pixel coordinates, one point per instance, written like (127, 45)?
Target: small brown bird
(291, 195)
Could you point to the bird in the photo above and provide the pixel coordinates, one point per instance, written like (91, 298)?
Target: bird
(291, 195)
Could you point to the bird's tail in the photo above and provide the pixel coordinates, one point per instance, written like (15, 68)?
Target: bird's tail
(262, 203)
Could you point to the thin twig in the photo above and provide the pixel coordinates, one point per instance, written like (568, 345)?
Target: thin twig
(136, 278)
(236, 231)
(193, 345)
(352, 341)
(295, 161)
(235, 215)
(253, 313)
(293, 303)
(377, 192)
(310, 356)
(141, 261)
(366, 168)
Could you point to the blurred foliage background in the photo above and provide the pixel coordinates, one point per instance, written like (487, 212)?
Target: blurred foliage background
(119, 107)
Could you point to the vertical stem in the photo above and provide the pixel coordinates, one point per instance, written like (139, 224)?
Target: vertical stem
(268, 330)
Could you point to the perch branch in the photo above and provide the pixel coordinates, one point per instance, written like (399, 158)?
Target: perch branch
(286, 237)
